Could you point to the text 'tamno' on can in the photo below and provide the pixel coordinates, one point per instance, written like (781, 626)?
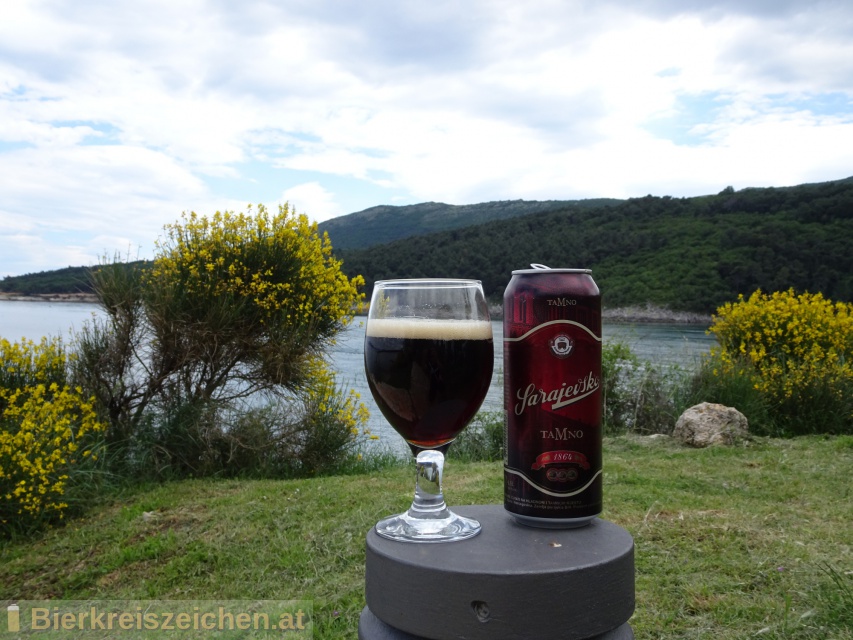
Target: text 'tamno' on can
(552, 397)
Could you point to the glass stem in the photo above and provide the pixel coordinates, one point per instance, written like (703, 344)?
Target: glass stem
(429, 500)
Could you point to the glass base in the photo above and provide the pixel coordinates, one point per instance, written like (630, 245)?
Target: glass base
(447, 527)
(428, 519)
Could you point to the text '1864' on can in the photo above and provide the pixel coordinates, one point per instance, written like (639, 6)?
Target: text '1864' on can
(552, 396)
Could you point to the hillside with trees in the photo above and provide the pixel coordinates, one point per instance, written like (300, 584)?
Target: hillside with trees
(684, 254)
(67, 280)
(689, 254)
(385, 223)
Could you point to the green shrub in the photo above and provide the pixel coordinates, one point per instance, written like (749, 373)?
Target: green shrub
(482, 441)
(330, 426)
(617, 364)
(638, 396)
(734, 389)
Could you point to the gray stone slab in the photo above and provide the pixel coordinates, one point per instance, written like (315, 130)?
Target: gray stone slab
(508, 583)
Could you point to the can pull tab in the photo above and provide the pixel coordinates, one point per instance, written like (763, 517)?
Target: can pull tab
(536, 265)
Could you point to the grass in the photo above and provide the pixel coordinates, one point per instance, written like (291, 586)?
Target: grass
(753, 541)
(738, 542)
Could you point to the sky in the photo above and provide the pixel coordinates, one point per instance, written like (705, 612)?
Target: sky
(116, 117)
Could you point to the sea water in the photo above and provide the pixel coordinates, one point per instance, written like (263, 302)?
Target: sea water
(664, 344)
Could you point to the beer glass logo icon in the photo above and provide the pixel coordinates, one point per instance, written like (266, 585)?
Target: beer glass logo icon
(13, 618)
(562, 346)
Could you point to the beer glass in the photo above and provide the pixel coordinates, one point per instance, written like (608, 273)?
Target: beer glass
(428, 355)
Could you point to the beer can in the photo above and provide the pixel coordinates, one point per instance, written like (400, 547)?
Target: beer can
(552, 397)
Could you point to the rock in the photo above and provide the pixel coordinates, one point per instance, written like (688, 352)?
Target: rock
(708, 423)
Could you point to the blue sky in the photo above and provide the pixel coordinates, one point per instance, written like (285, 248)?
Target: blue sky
(116, 117)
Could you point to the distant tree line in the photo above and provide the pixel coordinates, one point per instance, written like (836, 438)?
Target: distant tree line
(690, 254)
(686, 254)
(68, 280)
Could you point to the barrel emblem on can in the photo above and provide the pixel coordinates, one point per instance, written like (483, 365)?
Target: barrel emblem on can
(562, 346)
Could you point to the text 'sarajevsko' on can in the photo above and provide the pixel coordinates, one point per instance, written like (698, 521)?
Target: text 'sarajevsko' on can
(552, 397)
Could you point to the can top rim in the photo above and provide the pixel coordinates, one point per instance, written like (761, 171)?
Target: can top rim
(547, 271)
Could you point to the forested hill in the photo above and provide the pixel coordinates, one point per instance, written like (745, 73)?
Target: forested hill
(385, 223)
(68, 280)
(690, 254)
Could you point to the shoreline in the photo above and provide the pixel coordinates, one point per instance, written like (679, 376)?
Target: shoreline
(634, 314)
(652, 314)
(48, 297)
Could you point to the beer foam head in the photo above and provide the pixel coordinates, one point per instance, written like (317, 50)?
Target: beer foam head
(423, 329)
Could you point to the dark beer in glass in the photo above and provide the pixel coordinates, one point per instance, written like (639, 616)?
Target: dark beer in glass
(429, 377)
(428, 356)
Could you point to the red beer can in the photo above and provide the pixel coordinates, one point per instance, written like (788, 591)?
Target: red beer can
(552, 397)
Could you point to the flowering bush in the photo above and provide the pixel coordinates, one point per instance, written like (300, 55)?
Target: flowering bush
(318, 429)
(798, 352)
(46, 431)
(249, 295)
(235, 306)
(332, 423)
(274, 268)
(25, 363)
(324, 395)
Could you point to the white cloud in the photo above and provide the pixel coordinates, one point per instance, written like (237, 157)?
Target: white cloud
(113, 121)
(312, 200)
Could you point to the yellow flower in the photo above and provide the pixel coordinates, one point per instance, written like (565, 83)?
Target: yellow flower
(42, 422)
(793, 342)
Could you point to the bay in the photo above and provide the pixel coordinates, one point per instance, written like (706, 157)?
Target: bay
(663, 344)
(35, 319)
(678, 345)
